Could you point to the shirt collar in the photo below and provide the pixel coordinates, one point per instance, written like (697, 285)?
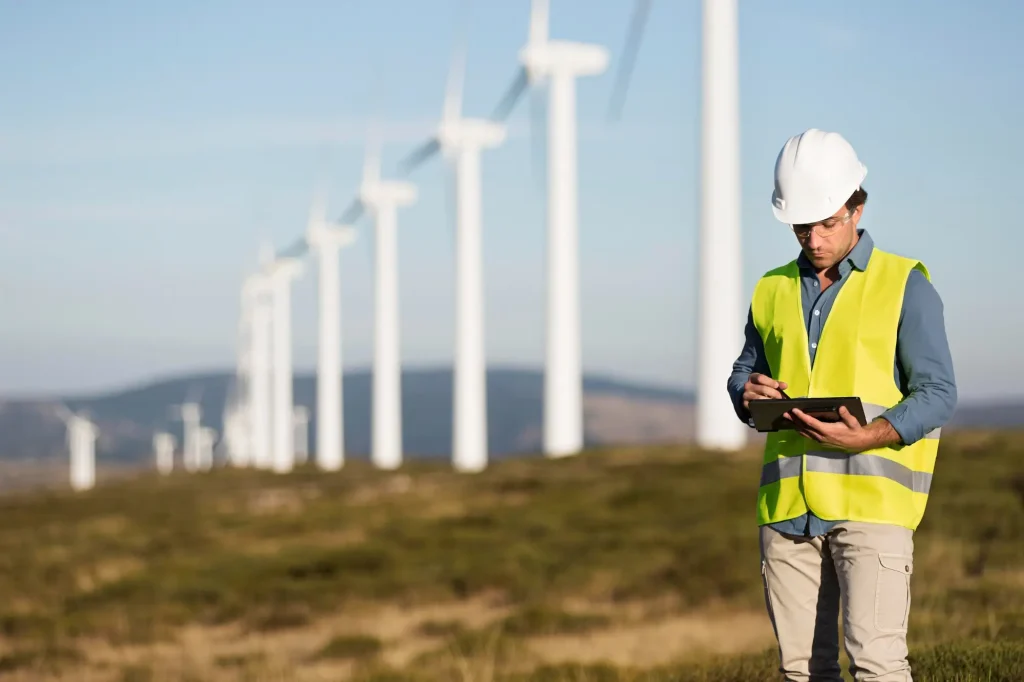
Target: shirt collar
(857, 258)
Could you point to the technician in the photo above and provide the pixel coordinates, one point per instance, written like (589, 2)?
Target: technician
(839, 502)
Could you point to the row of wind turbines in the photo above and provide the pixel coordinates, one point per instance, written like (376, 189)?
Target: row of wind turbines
(260, 417)
(265, 401)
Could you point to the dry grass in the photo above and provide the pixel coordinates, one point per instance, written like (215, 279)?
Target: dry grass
(630, 564)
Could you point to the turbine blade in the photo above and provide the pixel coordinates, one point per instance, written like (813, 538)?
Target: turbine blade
(371, 161)
(539, 133)
(633, 39)
(512, 95)
(297, 248)
(63, 412)
(419, 155)
(352, 213)
(457, 68)
(318, 203)
(538, 22)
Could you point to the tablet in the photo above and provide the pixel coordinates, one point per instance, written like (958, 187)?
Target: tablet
(768, 413)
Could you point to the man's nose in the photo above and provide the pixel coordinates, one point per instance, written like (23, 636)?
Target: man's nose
(813, 240)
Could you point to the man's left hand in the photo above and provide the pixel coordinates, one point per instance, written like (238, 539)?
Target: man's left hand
(846, 434)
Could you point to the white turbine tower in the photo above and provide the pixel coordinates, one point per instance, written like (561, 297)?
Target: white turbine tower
(462, 140)
(190, 414)
(257, 292)
(81, 440)
(205, 439)
(559, 63)
(236, 443)
(163, 449)
(326, 241)
(721, 310)
(281, 273)
(300, 429)
(382, 199)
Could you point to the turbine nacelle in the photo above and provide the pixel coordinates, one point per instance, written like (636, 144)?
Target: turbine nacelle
(323, 235)
(190, 412)
(377, 194)
(456, 135)
(283, 269)
(553, 57)
(254, 285)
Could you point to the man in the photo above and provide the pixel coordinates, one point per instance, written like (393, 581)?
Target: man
(839, 502)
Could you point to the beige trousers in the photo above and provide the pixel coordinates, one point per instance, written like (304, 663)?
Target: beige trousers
(864, 566)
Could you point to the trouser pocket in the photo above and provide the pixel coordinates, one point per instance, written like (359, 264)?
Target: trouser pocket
(892, 592)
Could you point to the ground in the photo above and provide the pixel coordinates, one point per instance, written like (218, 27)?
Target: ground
(618, 564)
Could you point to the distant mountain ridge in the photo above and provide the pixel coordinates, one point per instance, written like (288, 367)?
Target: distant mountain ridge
(616, 412)
(128, 417)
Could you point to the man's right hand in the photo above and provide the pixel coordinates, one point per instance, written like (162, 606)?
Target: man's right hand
(760, 387)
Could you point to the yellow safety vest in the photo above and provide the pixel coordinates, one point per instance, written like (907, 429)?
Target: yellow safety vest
(855, 357)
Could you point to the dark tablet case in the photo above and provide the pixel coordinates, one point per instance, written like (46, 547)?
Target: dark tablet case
(768, 413)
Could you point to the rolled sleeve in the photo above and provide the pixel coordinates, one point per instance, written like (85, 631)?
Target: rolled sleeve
(750, 360)
(925, 366)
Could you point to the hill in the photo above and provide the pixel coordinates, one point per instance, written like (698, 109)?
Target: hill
(615, 412)
(617, 565)
(32, 436)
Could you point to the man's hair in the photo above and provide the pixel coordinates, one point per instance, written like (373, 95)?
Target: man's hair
(858, 198)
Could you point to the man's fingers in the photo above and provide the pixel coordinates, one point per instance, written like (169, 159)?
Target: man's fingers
(764, 380)
(848, 417)
(807, 420)
(759, 391)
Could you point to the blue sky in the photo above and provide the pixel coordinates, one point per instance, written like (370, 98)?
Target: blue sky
(146, 148)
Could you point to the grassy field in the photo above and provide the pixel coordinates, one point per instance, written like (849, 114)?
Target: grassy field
(633, 564)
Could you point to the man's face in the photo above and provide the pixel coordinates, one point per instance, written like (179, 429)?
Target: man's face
(827, 242)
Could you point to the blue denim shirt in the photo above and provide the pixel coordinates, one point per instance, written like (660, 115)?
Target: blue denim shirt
(922, 367)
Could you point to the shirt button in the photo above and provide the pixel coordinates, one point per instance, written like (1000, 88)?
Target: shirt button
(815, 282)
(814, 345)
(817, 312)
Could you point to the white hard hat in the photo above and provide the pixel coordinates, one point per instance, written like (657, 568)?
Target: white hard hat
(815, 174)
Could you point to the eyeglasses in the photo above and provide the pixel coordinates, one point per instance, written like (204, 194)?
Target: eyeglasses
(825, 228)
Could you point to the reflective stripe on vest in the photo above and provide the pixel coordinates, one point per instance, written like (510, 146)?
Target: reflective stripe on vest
(855, 357)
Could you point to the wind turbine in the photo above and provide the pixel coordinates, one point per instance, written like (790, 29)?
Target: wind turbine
(281, 272)
(81, 440)
(163, 449)
(236, 443)
(300, 429)
(462, 140)
(190, 414)
(256, 292)
(327, 241)
(559, 63)
(720, 318)
(205, 440)
(382, 199)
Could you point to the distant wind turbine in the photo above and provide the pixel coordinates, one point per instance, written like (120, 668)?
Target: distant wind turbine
(205, 440)
(257, 292)
(281, 273)
(382, 199)
(462, 139)
(190, 414)
(559, 64)
(81, 440)
(721, 310)
(326, 240)
(300, 427)
(163, 449)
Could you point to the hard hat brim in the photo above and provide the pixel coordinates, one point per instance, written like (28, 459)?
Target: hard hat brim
(824, 210)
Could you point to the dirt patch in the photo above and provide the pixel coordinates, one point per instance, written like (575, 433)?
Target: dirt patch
(663, 641)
